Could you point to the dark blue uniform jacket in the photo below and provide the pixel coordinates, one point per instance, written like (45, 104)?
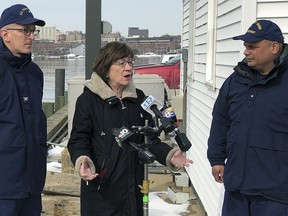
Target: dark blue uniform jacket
(249, 132)
(23, 131)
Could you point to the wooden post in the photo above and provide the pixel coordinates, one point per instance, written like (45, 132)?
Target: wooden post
(93, 34)
(48, 108)
(59, 82)
(59, 102)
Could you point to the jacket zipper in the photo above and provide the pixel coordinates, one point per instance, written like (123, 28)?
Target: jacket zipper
(122, 104)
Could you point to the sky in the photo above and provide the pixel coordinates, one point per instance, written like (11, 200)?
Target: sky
(158, 16)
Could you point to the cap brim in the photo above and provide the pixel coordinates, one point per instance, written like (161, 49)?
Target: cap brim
(32, 20)
(247, 38)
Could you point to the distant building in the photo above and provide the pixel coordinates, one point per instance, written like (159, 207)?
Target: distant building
(75, 36)
(52, 42)
(111, 37)
(135, 32)
(62, 38)
(157, 45)
(49, 48)
(47, 33)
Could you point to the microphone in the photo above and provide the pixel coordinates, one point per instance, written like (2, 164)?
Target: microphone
(151, 105)
(168, 121)
(123, 135)
(182, 141)
(169, 113)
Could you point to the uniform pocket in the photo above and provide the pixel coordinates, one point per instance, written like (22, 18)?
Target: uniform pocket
(11, 137)
(277, 143)
(13, 179)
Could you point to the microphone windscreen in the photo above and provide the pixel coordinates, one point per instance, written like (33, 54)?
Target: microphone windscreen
(183, 142)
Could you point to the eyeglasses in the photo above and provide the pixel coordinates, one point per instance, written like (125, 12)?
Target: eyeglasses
(123, 62)
(26, 32)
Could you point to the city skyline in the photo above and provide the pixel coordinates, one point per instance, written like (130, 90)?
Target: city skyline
(159, 17)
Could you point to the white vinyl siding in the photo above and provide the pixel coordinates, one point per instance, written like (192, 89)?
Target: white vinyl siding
(232, 17)
(211, 43)
(277, 11)
(199, 106)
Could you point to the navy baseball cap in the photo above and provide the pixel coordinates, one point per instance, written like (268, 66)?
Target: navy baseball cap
(262, 30)
(19, 14)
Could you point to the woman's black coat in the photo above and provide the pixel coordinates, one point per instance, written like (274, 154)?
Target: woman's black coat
(98, 111)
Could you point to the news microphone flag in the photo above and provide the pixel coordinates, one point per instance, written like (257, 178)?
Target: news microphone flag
(151, 102)
(123, 134)
(169, 113)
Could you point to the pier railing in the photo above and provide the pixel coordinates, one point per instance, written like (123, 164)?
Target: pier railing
(57, 112)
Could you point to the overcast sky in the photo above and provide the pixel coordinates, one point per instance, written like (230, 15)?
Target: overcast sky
(159, 16)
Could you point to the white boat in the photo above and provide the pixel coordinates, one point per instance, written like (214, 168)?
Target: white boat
(53, 57)
(80, 56)
(70, 56)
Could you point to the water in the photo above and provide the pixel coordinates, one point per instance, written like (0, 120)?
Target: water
(73, 67)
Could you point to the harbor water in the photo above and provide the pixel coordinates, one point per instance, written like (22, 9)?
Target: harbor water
(73, 67)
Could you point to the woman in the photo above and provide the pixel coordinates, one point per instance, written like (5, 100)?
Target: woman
(110, 173)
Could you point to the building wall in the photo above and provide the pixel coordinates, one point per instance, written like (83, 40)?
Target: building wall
(79, 50)
(75, 36)
(135, 31)
(47, 33)
(110, 37)
(158, 45)
(275, 11)
(208, 28)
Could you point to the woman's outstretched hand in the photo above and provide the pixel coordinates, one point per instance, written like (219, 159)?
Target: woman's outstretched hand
(179, 160)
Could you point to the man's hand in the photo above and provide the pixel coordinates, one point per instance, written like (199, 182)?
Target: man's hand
(218, 173)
